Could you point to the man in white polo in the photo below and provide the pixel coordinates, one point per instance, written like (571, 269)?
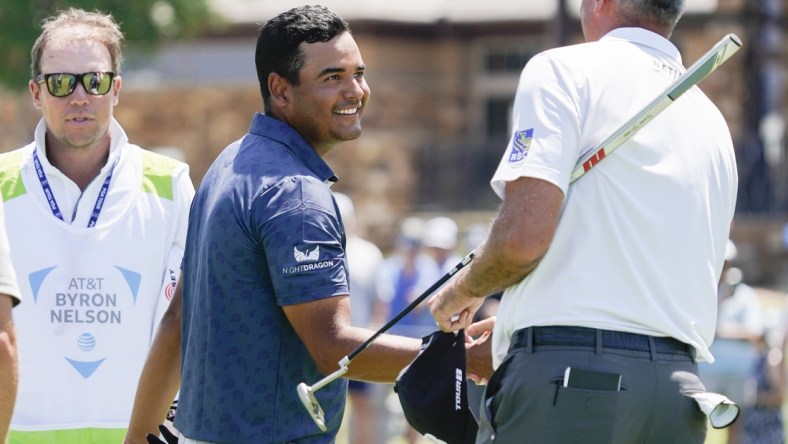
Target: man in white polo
(616, 275)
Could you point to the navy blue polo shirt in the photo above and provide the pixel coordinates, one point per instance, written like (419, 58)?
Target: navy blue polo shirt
(264, 232)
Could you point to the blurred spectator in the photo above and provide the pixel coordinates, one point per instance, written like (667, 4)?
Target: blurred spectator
(363, 259)
(739, 326)
(475, 235)
(763, 423)
(403, 276)
(440, 239)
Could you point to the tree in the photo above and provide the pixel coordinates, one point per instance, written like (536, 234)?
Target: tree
(143, 22)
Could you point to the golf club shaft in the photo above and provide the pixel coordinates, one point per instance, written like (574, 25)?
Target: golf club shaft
(465, 261)
(333, 376)
(709, 62)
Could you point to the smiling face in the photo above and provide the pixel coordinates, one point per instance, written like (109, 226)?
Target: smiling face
(79, 120)
(326, 105)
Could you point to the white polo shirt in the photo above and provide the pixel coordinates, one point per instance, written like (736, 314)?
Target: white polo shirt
(641, 239)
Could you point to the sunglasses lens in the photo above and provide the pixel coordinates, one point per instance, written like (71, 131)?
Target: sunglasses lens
(61, 85)
(97, 83)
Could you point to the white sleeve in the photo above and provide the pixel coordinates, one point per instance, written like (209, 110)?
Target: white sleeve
(545, 126)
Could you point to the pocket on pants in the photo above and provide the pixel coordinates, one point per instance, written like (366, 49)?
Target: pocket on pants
(584, 416)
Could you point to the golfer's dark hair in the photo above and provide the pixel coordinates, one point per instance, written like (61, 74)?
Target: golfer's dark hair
(278, 43)
(662, 13)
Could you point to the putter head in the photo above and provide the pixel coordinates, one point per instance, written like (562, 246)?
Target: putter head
(311, 405)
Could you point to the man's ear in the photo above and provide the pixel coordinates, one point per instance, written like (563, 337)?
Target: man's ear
(601, 5)
(279, 88)
(35, 92)
(116, 84)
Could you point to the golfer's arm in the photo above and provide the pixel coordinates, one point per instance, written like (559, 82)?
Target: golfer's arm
(9, 365)
(385, 357)
(161, 376)
(519, 237)
(324, 327)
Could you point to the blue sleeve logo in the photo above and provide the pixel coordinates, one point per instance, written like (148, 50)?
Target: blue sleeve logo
(521, 143)
(306, 255)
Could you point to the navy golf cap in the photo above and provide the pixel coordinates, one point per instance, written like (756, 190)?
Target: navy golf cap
(433, 391)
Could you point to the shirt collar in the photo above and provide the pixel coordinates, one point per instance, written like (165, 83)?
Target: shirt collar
(117, 137)
(283, 133)
(645, 37)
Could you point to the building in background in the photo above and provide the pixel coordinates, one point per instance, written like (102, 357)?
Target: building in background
(443, 74)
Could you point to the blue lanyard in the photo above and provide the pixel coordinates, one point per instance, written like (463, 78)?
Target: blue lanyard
(42, 178)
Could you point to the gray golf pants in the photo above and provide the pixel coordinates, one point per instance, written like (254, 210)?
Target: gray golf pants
(525, 400)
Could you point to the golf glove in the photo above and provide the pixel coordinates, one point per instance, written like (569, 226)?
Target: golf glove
(169, 437)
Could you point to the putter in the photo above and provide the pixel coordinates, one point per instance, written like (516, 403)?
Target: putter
(709, 62)
(306, 393)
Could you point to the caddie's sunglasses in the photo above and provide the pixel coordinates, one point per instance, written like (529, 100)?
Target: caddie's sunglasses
(62, 84)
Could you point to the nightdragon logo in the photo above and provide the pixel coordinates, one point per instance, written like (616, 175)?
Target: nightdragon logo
(311, 257)
(308, 255)
(521, 143)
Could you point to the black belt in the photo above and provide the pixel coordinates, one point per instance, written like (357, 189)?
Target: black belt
(592, 338)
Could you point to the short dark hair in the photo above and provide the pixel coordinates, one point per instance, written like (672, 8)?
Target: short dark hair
(278, 43)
